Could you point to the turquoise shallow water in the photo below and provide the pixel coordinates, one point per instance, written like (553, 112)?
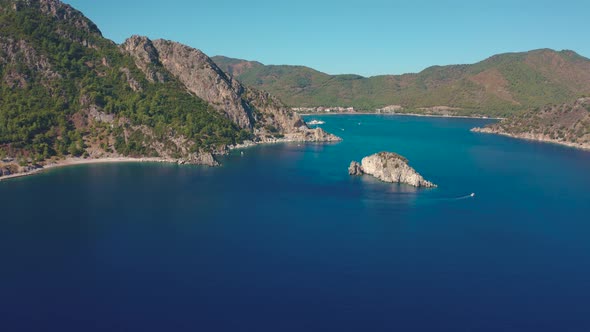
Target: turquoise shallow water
(282, 239)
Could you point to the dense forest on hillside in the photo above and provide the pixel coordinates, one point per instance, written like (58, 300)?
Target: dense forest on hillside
(501, 85)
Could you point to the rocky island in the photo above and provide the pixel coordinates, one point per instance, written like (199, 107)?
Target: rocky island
(389, 167)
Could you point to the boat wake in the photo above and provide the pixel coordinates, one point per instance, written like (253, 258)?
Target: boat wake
(460, 198)
(389, 198)
(472, 195)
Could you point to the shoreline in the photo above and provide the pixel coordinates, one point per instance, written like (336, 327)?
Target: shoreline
(81, 161)
(532, 139)
(405, 114)
(251, 144)
(115, 160)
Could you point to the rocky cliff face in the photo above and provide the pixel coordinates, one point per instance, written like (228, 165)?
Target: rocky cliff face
(355, 169)
(59, 11)
(196, 71)
(565, 124)
(250, 109)
(146, 58)
(389, 167)
(271, 115)
(23, 63)
(203, 78)
(66, 14)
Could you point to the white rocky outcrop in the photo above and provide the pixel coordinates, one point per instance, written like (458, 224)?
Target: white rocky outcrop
(389, 167)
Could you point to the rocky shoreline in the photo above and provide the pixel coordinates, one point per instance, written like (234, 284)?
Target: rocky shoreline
(317, 135)
(531, 137)
(565, 124)
(10, 170)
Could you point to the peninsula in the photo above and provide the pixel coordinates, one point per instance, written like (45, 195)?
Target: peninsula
(565, 124)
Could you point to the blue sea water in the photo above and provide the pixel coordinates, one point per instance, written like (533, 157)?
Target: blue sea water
(282, 239)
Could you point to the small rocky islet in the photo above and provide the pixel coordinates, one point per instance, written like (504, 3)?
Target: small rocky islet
(389, 167)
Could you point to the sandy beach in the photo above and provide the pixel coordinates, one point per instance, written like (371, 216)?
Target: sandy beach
(82, 161)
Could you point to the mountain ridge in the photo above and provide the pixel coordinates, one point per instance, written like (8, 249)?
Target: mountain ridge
(499, 85)
(225, 60)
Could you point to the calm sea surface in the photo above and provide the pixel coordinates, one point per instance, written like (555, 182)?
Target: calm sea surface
(282, 239)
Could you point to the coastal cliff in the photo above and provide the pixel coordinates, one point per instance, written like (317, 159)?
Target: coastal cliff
(389, 167)
(566, 124)
(197, 73)
(250, 109)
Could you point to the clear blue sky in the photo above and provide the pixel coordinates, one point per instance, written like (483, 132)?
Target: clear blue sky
(366, 37)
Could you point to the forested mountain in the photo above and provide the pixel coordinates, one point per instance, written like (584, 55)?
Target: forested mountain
(500, 85)
(68, 91)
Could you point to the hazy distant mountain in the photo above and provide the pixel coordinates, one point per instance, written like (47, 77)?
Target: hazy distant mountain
(499, 85)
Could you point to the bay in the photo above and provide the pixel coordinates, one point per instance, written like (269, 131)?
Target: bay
(283, 239)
